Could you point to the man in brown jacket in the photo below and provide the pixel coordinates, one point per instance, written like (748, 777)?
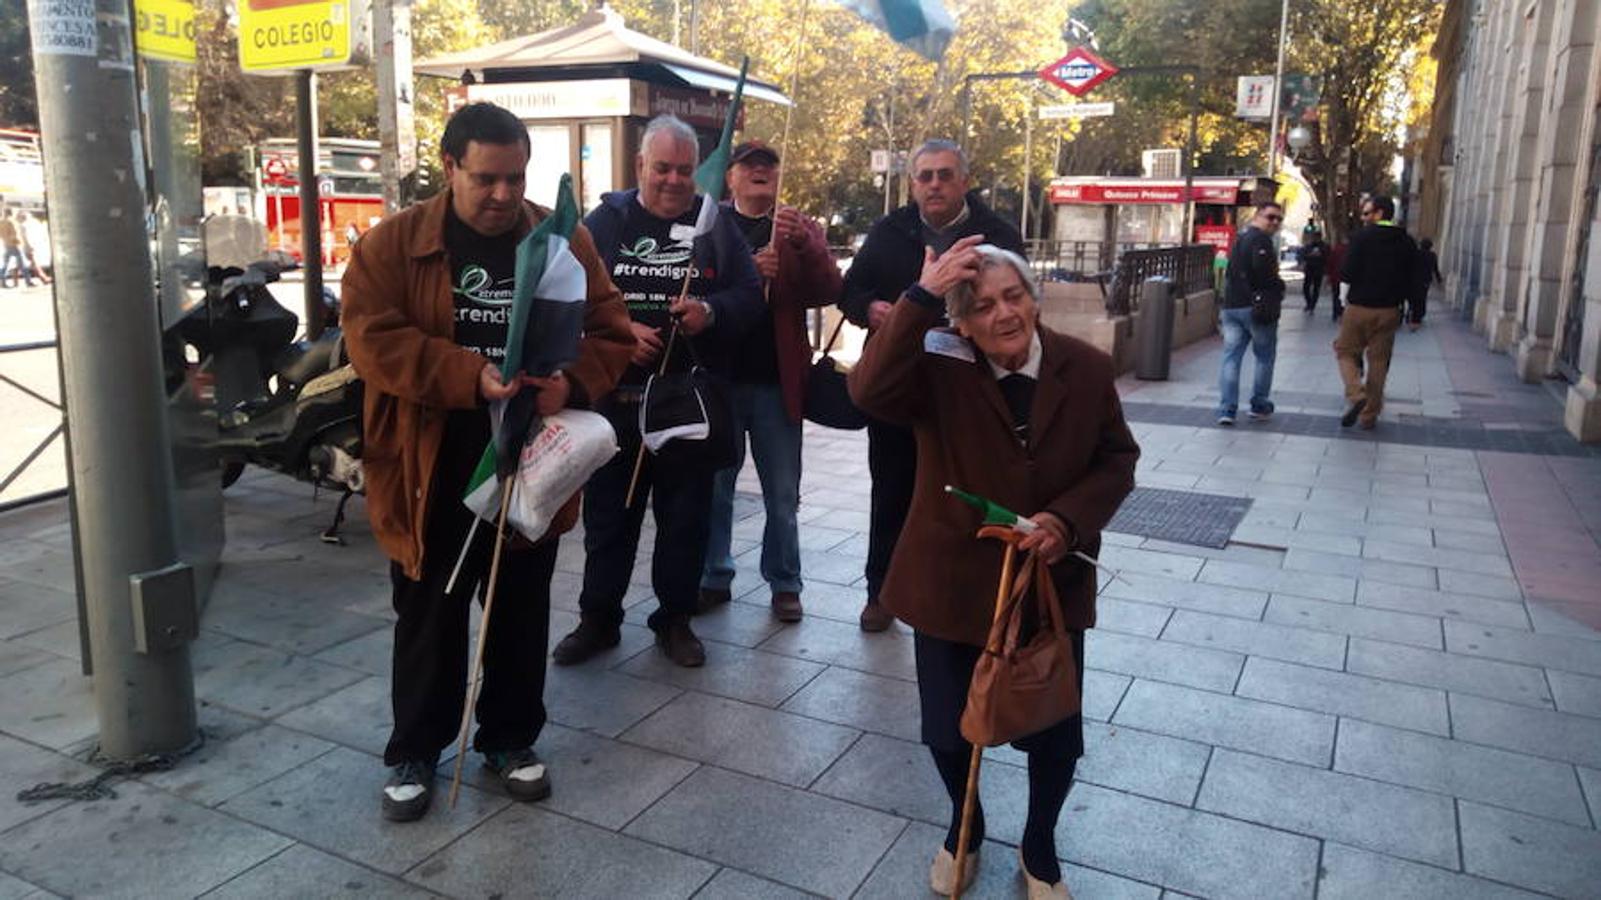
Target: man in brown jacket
(426, 305)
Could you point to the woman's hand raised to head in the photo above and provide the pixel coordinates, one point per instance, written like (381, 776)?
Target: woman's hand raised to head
(948, 269)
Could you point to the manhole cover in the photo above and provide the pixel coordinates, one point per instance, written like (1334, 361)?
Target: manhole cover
(1183, 517)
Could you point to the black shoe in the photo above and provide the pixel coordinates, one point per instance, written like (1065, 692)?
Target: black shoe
(680, 644)
(875, 617)
(521, 773)
(787, 606)
(1351, 412)
(711, 598)
(585, 642)
(409, 791)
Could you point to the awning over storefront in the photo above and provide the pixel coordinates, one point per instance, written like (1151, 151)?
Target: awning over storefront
(1230, 190)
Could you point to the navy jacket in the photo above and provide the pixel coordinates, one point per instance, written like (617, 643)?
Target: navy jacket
(1253, 269)
(736, 294)
(892, 256)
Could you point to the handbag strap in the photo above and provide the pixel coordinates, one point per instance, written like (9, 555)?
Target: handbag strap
(1008, 622)
(828, 347)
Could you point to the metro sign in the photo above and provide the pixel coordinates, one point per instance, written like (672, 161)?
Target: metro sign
(1078, 72)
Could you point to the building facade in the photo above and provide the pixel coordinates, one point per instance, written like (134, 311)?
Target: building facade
(1509, 176)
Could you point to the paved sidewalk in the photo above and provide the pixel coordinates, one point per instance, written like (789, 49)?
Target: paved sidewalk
(1384, 687)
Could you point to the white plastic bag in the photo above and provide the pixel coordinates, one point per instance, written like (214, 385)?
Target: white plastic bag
(555, 463)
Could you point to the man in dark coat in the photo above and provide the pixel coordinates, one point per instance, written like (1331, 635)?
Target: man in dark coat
(649, 240)
(1381, 272)
(1428, 275)
(1314, 255)
(1252, 295)
(941, 213)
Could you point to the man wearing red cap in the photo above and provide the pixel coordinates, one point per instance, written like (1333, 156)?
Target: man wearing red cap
(769, 375)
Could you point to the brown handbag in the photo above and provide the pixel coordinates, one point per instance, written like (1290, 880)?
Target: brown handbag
(1018, 688)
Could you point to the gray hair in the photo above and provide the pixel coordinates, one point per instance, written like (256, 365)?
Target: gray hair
(959, 302)
(667, 123)
(941, 145)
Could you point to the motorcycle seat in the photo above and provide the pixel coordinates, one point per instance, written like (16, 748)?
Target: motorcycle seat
(306, 360)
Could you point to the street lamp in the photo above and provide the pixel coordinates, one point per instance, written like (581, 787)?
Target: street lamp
(1299, 138)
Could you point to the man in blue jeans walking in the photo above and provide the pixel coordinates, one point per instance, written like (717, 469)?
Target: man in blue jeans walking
(1253, 294)
(769, 374)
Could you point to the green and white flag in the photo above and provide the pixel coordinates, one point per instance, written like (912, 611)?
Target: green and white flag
(922, 26)
(547, 323)
(711, 176)
(994, 513)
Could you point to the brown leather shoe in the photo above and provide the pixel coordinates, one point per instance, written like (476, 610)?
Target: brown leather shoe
(711, 598)
(875, 617)
(786, 606)
(681, 645)
(585, 642)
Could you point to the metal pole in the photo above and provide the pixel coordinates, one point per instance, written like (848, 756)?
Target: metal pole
(1189, 161)
(310, 219)
(122, 478)
(397, 126)
(1278, 92)
(889, 173)
(1028, 157)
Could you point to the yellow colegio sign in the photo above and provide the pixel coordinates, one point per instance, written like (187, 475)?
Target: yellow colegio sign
(296, 34)
(165, 29)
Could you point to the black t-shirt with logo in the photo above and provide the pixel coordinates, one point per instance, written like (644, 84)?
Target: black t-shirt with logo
(756, 359)
(652, 259)
(482, 277)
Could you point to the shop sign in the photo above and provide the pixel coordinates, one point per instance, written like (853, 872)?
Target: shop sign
(1078, 72)
(285, 35)
(1141, 193)
(556, 99)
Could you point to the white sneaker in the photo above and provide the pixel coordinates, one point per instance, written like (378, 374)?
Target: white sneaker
(942, 874)
(1225, 420)
(1039, 890)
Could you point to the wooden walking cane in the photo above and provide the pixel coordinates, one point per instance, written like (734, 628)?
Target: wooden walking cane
(1003, 592)
(508, 485)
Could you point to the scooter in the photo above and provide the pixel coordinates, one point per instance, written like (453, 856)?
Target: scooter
(289, 406)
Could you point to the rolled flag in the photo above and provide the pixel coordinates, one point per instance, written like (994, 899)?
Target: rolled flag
(996, 514)
(547, 322)
(711, 176)
(922, 26)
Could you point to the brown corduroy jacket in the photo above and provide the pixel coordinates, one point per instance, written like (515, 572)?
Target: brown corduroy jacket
(398, 321)
(1078, 463)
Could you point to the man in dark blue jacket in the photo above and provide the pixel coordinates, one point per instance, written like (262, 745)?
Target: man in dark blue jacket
(649, 240)
(1381, 271)
(941, 213)
(1253, 294)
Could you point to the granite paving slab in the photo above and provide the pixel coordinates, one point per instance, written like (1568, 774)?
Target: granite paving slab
(1400, 821)
(732, 884)
(1449, 671)
(780, 746)
(1554, 735)
(303, 871)
(1517, 781)
(1291, 644)
(525, 851)
(1350, 873)
(1342, 694)
(142, 843)
(1529, 851)
(754, 676)
(51, 703)
(1226, 721)
(333, 803)
(830, 847)
(225, 768)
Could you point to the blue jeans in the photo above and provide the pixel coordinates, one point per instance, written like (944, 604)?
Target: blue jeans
(775, 442)
(1239, 330)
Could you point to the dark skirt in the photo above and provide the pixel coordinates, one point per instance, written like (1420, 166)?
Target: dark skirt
(944, 671)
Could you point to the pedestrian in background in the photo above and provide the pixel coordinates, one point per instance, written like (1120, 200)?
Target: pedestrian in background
(1252, 298)
(769, 379)
(1335, 261)
(1381, 268)
(36, 244)
(941, 213)
(11, 240)
(1427, 277)
(1313, 256)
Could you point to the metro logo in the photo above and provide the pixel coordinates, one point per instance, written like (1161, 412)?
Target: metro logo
(1078, 72)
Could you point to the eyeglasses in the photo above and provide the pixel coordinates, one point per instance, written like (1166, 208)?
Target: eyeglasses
(1274, 218)
(925, 176)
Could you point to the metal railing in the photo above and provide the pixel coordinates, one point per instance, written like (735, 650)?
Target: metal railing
(40, 448)
(1189, 267)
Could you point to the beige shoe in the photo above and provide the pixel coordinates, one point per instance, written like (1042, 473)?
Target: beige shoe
(1039, 890)
(942, 874)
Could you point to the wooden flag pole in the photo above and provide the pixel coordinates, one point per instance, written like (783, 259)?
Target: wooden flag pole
(661, 369)
(1003, 593)
(507, 486)
(789, 115)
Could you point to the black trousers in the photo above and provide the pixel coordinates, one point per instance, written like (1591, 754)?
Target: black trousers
(680, 495)
(892, 463)
(944, 672)
(1311, 287)
(431, 654)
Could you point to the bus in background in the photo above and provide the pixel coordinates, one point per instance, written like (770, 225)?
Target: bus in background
(350, 193)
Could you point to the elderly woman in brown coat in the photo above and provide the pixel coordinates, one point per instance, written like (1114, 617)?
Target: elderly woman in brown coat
(1029, 418)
